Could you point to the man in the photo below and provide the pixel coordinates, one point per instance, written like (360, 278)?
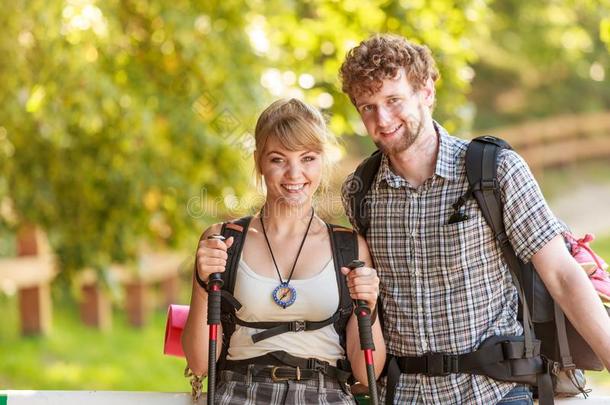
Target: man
(445, 287)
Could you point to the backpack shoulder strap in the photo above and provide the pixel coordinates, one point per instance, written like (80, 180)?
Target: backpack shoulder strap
(481, 171)
(359, 186)
(238, 230)
(344, 245)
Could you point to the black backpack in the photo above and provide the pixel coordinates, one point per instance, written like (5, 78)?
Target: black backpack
(344, 245)
(564, 351)
(567, 351)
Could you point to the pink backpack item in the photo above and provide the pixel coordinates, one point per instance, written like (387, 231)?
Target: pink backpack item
(591, 263)
(176, 319)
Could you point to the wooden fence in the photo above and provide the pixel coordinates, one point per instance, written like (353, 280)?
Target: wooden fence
(559, 140)
(30, 274)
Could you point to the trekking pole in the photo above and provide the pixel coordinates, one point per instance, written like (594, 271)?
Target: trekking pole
(214, 285)
(363, 313)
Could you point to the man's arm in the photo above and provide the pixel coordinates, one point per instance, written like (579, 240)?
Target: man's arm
(570, 287)
(345, 199)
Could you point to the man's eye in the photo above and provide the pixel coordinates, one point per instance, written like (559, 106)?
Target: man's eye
(366, 108)
(394, 100)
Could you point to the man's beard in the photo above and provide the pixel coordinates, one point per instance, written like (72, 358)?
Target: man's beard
(411, 130)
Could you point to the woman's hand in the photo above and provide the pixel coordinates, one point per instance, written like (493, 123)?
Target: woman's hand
(363, 284)
(212, 257)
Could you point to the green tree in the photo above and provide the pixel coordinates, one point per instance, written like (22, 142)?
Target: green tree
(541, 58)
(312, 38)
(115, 116)
(126, 121)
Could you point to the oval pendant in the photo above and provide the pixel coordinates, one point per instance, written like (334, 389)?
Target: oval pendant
(284, 295)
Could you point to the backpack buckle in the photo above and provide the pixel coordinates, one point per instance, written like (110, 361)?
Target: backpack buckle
(502, 238)
(297, 326)
(489, 184)
(227, 317)
(317, 365)
(439, 364)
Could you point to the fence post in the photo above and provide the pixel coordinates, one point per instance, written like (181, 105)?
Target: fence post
(137, 302)
(35, 306)
(95, 307)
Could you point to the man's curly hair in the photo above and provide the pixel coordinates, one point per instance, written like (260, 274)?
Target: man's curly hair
(381, 57)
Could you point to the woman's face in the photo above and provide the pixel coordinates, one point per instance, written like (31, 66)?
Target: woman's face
(291, 177)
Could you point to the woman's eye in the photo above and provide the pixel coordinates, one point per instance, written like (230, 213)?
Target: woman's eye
(276, 160)
(309, 158)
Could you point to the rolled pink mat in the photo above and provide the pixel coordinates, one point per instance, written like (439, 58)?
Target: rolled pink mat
(176, 318)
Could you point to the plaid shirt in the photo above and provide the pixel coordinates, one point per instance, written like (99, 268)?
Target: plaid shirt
(445, 287)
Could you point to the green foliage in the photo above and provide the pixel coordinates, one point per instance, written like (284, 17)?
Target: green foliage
(112, 119)
(541, 58)
(126, 121)
(129, 121)
(74, 357)
(321, 33)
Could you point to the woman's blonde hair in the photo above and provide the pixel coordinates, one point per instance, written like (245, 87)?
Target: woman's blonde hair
(297, 126)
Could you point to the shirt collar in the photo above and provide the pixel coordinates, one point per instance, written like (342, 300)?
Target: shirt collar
(447, 152)
(445, 161)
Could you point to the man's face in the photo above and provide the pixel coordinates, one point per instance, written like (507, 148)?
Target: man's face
(396, 115)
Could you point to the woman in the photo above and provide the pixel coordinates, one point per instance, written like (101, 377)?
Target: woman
(286, 272)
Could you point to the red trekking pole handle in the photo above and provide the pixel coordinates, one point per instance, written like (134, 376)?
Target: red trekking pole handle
(214, 285)
(365, 332)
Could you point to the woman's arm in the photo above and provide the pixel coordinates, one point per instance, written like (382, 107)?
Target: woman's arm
(364, 285)
(210, 258)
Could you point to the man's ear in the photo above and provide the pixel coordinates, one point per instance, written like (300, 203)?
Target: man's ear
(429, 93)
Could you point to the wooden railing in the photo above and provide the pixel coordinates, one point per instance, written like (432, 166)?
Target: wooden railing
(30, 273)
(152, 268)
(559, 140)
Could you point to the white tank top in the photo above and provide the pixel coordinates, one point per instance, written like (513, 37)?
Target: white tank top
(317, 299)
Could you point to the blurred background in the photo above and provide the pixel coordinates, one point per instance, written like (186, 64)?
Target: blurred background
(125, 130)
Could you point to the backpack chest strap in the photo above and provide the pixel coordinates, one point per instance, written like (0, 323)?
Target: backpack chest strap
(277, 328)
